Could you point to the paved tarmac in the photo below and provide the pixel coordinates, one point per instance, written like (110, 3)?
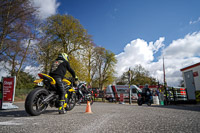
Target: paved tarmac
(106, 118)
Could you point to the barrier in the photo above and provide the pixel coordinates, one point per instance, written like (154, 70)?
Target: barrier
(155, 100)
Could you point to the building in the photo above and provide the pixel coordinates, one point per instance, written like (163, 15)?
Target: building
(191, 77)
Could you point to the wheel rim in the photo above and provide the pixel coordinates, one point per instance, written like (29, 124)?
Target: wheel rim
(71, 102)
(38, 105)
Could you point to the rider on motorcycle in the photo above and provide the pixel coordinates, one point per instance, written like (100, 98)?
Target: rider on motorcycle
(146, 92)
(82, 90)
(58, 71)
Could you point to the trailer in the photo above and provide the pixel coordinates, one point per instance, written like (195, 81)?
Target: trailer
(113, 92)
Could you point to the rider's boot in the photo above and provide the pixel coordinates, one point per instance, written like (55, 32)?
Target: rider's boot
(61, 109)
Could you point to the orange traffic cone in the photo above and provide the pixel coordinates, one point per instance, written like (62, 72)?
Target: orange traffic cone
(88, 108)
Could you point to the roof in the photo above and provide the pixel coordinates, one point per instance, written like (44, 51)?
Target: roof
(195, 65)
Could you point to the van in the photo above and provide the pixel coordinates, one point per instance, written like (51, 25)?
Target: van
(113, 92)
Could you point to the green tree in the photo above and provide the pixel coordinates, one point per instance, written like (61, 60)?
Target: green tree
(61, 33)
(67, 32)
(46, 53)
(25, 81)
(140, 76)
(105, 61)
(88, 56)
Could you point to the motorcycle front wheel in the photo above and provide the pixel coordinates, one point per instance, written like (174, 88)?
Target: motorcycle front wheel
(71, 102)
(139, 101)
(34, 101)
(91, 100)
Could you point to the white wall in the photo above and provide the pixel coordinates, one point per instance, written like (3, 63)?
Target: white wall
(196, 79)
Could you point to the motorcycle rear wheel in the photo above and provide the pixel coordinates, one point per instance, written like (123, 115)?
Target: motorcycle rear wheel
(33, 103)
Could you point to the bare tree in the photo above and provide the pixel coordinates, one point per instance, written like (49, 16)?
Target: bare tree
(13, 16)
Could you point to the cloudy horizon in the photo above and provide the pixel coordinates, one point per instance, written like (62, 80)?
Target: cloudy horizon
(177, 55)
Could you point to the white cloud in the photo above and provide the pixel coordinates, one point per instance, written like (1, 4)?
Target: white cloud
(194, 22)
(33, 70)
(4, 72)
(137, 52)
(187, 47)
(179, 54)
(46, 8)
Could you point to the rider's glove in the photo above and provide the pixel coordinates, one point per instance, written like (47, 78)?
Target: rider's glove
(76, 78)
(76, 81)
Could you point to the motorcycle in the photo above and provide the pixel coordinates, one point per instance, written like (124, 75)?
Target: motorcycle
(83, 94)
(144, 99)
(45, 94)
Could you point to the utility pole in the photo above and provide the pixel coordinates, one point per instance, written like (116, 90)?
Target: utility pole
(129, 80)
(164, 81)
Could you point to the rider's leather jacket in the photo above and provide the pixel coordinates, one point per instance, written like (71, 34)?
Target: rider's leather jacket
(59, 68)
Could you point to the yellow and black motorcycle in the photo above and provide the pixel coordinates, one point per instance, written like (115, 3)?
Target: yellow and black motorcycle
(45, 94)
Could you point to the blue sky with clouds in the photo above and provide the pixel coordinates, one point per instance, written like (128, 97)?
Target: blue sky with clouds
(138, 31)
(114, 23)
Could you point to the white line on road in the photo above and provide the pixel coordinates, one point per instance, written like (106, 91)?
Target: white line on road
(10, 123)
(15, 121)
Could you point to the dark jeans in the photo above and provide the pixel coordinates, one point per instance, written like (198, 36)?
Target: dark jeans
(60, 87)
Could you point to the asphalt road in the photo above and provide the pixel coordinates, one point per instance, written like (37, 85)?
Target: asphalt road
(106, 118)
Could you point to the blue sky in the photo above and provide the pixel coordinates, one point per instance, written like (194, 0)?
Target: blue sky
(114, 23)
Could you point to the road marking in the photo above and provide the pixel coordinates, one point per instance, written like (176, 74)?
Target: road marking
(15, 121)
(10, 123)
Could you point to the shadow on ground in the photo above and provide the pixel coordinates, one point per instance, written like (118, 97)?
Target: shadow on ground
(194, 107)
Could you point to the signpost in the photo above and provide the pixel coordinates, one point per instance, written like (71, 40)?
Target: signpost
(8, 92)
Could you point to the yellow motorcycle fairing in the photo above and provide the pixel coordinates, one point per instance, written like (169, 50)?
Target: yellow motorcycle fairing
(37, 81)
(71, 90)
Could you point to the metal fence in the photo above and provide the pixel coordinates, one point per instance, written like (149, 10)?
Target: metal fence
(175, 95)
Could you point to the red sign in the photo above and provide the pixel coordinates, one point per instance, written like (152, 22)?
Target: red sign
(121, 97)
(195, 74)
(8, 89)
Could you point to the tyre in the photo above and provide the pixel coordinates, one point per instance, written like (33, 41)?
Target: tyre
(139, 101)
(149, 103)
(111, 100)
(71, 102)
(33, 103)
(91, 101)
